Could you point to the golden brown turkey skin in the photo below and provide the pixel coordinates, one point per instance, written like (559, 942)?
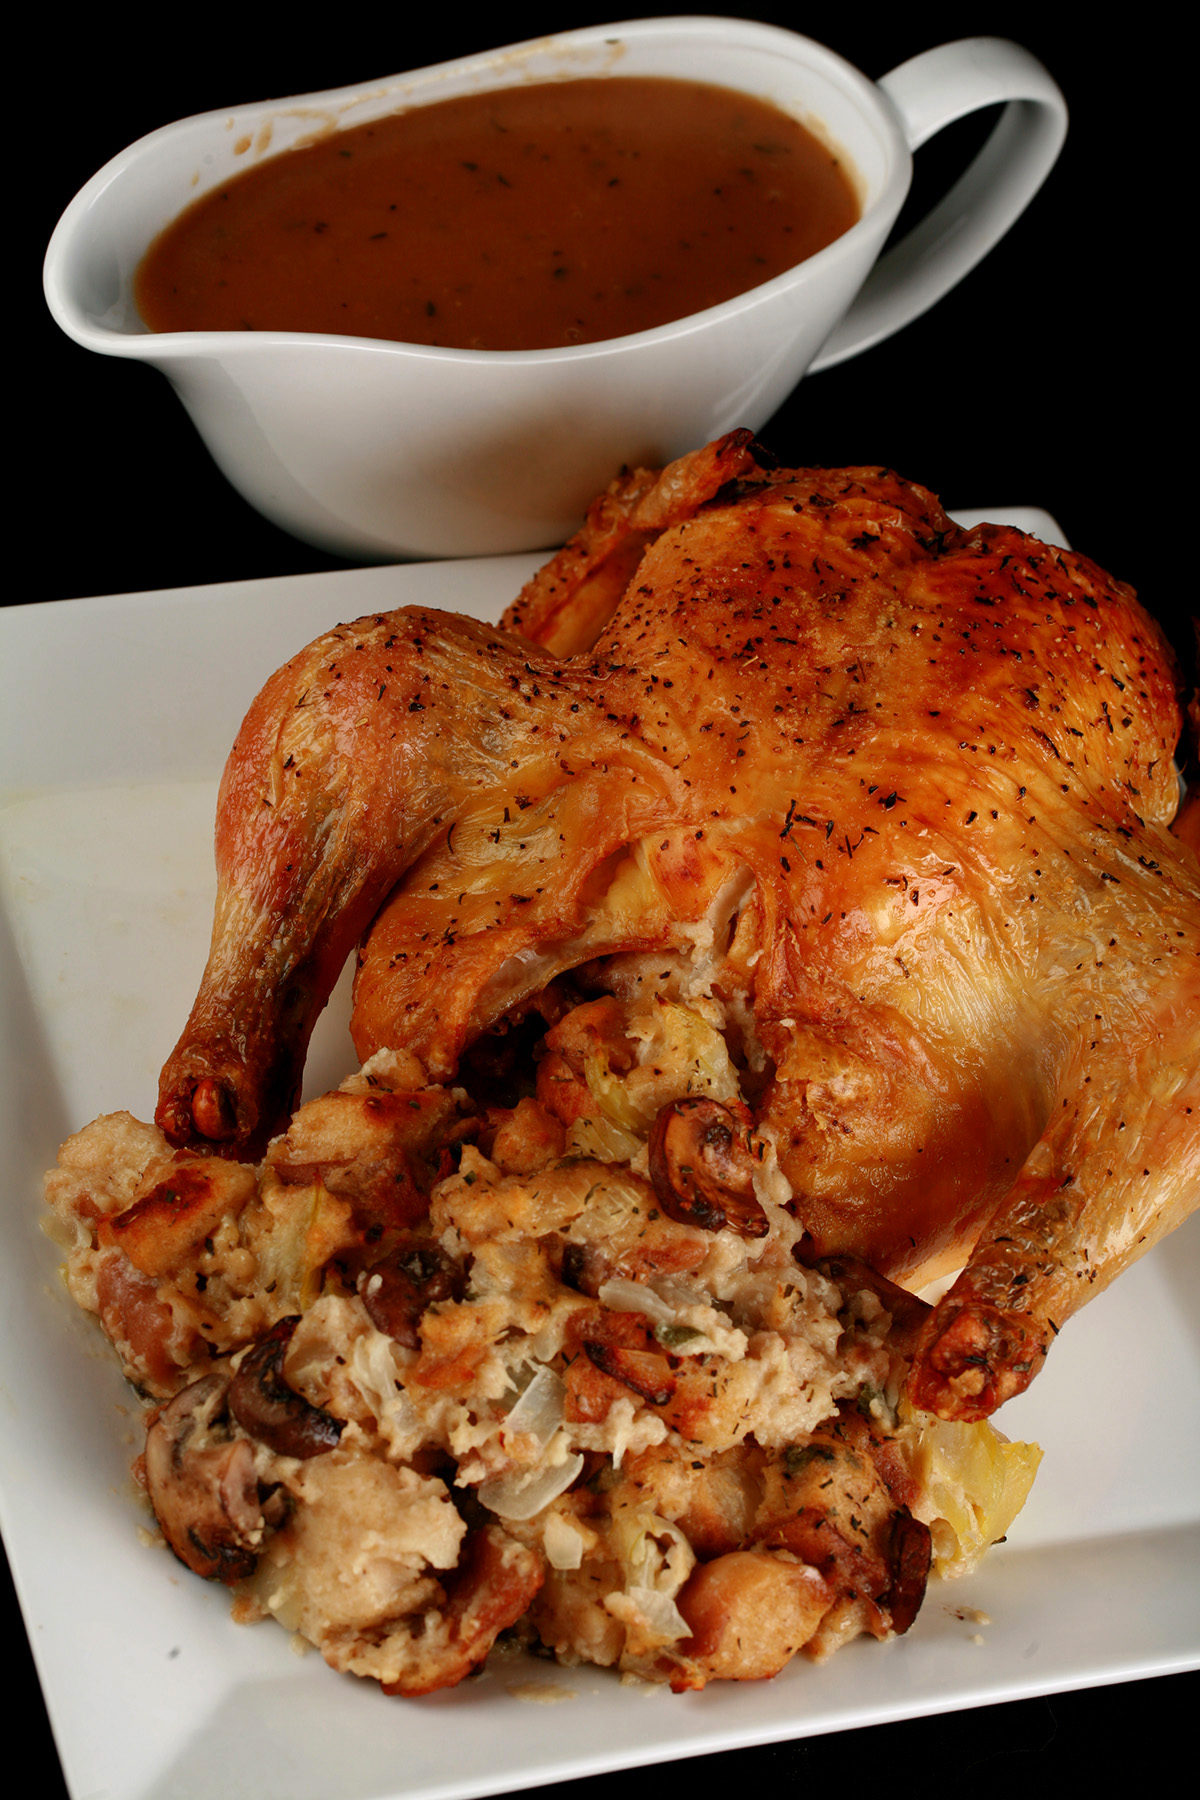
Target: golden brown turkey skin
(336, 781)
(906, 788)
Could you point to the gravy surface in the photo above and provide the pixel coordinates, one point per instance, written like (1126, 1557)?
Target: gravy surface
(520, 219)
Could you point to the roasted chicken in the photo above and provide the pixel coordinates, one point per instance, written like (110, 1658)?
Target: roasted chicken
(895, 793)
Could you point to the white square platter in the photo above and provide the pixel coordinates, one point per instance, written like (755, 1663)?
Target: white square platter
(116, 715)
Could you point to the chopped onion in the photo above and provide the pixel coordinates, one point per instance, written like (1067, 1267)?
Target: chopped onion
(622, 1295)
(562, 1543)
(663, 1618)
(539, 1411)
(523, 1493)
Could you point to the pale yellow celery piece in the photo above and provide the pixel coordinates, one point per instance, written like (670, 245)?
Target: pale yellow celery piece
(972, 1482)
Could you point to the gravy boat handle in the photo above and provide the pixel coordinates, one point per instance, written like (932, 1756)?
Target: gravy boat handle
(927, 93)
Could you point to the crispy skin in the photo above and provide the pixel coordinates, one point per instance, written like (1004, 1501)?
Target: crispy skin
(935, 765)
(573, 597)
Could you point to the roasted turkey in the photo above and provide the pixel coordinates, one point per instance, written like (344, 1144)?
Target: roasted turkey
(896, 793)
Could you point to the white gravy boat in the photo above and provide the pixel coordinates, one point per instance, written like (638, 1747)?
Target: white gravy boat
(378, 450)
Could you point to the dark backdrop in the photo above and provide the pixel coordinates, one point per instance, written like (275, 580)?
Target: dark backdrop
(1058, 374)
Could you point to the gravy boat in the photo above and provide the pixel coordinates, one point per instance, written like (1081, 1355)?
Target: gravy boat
(377, 450)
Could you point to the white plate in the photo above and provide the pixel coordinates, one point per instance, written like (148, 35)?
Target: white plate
(117, 715)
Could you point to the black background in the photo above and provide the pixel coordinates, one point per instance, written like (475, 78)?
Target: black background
(1058, 374)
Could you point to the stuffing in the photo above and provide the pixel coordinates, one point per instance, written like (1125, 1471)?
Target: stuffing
(552, 1365)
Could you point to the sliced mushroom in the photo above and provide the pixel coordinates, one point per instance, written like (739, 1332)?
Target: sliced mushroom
(396, 1292)
(702, 1167)
(203, 1486)
(910, 1553)
(265, 1406)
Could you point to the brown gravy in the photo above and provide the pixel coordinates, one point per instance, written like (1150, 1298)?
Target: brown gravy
(520, 219)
